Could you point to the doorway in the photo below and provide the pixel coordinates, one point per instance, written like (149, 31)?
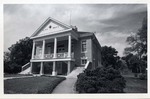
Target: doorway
(61, 68)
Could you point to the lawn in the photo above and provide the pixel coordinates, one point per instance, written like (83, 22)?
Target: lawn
(32, 85)
(135, 85)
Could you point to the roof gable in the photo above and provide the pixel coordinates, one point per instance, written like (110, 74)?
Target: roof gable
(50, 26)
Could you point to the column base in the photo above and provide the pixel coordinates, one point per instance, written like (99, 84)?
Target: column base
(68, 56)
(54, 73)
(41, 74)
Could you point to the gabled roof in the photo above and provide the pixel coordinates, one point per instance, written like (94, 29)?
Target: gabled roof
(62, 26)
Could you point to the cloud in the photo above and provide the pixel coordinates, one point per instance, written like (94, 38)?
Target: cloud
(112, 22)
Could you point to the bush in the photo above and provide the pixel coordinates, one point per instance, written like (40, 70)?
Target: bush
(100, 80)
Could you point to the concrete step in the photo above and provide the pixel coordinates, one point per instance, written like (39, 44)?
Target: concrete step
(27, 71)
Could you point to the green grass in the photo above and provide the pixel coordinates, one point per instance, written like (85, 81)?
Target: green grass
(135, 85)
(16, 75)
(32, 85)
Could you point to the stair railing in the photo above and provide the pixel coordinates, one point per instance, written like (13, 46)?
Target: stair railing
(24, 67)
(86, 65)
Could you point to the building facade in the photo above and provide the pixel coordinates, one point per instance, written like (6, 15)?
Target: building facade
(58, 48)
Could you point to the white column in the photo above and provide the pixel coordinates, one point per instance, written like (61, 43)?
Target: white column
(43, 49)
(31, 66)
(69, 65)
(54, 69)
(69, 46)
(41, 69)
(55, 48)
(33, 49)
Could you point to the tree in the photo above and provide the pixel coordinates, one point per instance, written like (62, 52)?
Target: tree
(6, 62)
(138, 47)
(109, 57)
(20, 54)
(138, 41)
(127, 60)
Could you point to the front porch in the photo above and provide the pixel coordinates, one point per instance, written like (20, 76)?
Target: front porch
(52, 68)
(54, 54)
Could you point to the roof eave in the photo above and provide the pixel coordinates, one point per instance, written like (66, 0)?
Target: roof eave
(53, 33)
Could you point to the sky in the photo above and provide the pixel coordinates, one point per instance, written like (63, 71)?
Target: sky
(113, 23)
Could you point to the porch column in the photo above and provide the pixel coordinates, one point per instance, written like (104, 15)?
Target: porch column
(41, 69)
(69, 65)
(54, 69)
(43, 49)
(31, 66)
(33, 49)
(69, 46)
(55, 48)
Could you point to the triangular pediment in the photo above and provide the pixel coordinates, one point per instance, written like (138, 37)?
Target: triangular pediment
(50, 26)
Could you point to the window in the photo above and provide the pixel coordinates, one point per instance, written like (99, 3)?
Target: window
(83, 46)
(61, 48)
(83, 61)
(72, 47)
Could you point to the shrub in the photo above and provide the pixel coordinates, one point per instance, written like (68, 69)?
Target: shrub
(100, 80)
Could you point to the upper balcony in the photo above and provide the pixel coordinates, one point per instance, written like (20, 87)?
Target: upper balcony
(54, 48)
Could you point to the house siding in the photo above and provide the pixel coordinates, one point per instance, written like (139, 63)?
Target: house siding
(79, 54)
(96, 55)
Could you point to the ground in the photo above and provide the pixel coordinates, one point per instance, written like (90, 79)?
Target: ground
(135, 85)
(31, 85)
(46, 84)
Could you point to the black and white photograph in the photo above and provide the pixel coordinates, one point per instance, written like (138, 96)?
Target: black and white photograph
(75, 48)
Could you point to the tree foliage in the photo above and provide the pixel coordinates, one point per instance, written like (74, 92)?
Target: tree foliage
(20, 54)
(136, 53)
(110, 57)
(138, 41)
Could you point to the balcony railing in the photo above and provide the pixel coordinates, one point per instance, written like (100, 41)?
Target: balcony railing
(38, 56)
(50, 56)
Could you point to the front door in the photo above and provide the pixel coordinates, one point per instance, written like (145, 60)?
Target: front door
(48, 49)
(61, 68)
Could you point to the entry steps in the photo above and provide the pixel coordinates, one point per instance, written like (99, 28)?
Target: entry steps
(76, 71)
(26, 69)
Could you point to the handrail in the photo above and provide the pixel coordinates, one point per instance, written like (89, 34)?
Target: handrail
(25, 66)
(86, 65)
